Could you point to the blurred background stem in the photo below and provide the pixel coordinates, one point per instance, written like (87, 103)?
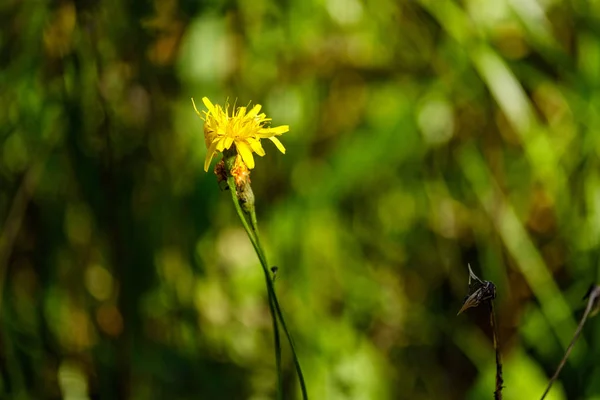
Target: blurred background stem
(594, 294)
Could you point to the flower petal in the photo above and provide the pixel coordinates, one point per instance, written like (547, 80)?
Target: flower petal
(277, 144)
(209, 105)
(228, 141)
(221, 143)
(254, 112)
(278, 130)
(209, 155)
(246, 152)
(257, 147)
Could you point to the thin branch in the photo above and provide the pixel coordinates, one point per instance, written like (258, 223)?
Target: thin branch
(273, 301)
(593, 296)
(256, 245)
(481, 291)
(499, 380)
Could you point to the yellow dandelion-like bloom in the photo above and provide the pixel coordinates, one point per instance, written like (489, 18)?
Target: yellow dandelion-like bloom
(243, 128)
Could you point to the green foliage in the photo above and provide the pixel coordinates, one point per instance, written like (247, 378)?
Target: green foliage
(424, 135)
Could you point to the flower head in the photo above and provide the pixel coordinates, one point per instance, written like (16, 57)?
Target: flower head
(243, 128)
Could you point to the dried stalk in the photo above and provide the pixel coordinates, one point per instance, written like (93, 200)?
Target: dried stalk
(481, 291)
(593, 295)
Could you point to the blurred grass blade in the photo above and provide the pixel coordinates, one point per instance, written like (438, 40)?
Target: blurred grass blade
(518, 243)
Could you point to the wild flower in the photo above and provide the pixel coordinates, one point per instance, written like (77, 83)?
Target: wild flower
(242, 128)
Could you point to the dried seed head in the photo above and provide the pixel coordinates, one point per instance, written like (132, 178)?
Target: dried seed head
(479, 291)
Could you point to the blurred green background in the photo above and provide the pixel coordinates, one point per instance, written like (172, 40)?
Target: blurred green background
(424, 135)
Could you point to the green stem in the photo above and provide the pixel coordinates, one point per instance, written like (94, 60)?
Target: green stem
(277, 307)
(273, 301)
(271, 289)
(255, 244)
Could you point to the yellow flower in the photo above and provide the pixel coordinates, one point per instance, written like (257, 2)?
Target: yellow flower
(242, 128)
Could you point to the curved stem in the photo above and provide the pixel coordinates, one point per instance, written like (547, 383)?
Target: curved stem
(255, 244)
(594, 294)
(273, 301)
